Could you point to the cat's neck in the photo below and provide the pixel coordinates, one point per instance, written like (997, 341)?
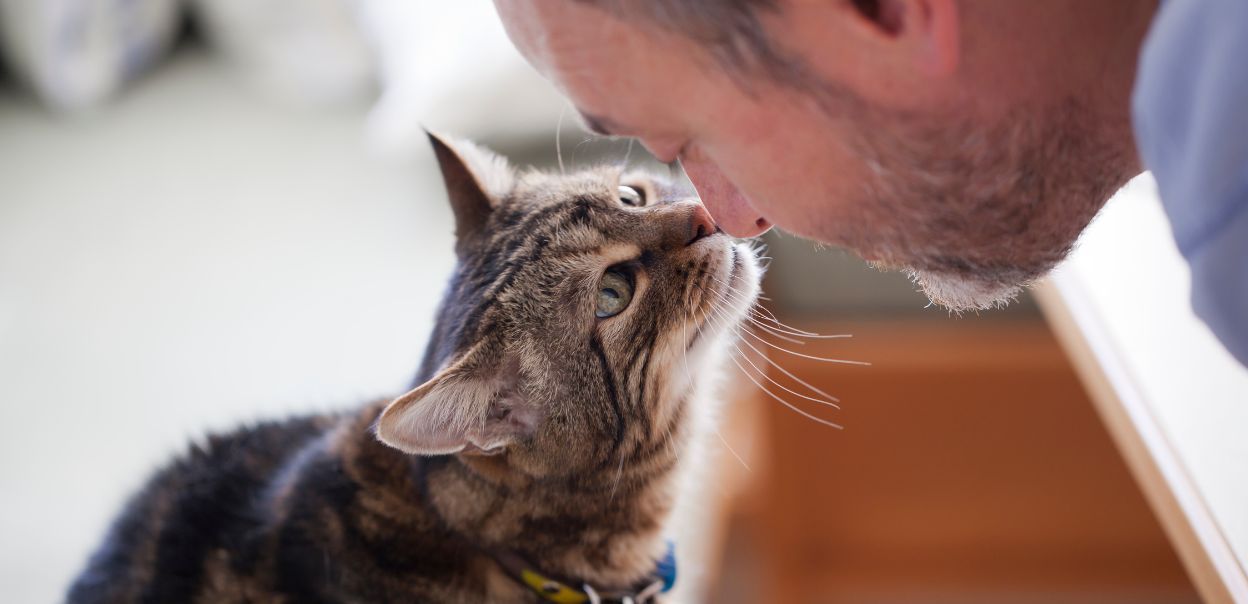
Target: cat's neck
(603, 529)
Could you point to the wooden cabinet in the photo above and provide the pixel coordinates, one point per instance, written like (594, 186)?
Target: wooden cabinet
(971, 468)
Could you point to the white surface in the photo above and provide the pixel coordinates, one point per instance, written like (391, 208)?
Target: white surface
(450, 66)
(309, 52)
(1128, 288)
(183, 260)
(77, 53)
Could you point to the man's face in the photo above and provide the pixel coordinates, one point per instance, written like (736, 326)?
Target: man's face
(974, 200)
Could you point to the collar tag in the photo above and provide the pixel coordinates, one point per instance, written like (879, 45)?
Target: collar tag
(666, 570)
(562, 593)
(551, 589)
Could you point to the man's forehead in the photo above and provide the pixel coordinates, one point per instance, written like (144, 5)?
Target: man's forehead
(560, 35)
(585, 50)
(623, 77)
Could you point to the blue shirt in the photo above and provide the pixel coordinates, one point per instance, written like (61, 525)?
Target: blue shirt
(1190, 112)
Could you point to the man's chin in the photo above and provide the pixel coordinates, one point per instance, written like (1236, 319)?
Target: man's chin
(961, 293)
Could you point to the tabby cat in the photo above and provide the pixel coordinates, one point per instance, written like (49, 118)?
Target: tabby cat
(538, 459)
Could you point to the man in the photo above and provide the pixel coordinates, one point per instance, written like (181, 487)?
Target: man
(968, 142)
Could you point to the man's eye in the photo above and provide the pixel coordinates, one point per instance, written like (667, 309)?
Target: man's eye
(632, 196)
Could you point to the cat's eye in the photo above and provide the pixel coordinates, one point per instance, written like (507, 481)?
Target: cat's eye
(615, 291)
(632, 196)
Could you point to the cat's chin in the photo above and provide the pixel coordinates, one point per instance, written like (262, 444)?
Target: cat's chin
(741, 287)
(736, 290)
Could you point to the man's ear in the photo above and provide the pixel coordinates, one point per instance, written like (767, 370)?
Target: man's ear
(460, 410)
(929, 29)
(477, 180)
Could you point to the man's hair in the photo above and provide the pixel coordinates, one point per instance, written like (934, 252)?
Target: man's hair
(731, 31)
(733, 34)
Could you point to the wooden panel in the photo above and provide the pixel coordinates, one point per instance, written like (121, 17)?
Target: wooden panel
(972, 467)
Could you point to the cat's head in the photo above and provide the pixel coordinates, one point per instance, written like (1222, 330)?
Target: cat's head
(576, 325)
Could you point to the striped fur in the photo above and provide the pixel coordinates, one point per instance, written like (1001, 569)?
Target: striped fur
(535, 427)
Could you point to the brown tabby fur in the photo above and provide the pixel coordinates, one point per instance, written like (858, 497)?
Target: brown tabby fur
(539, 428)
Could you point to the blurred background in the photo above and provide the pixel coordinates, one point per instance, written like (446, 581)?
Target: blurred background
(215, 211)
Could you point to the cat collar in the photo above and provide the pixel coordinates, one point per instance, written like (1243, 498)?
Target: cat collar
(660, 580)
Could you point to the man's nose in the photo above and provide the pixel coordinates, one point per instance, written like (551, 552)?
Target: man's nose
(732, 212)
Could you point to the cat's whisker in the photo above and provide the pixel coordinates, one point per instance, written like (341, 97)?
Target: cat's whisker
(816, 336)
(730, 294)
(578, 146)
(615, 484)
(771, 328)
(830, 400)
(755, 323)
(628, 152)
(732, 451)
(776, 334)
(766, 314)
(807, 356)
(790, 374)
(761, 321)
(559, 139)
(762, 313)
(688, 375)
(729, 298)
(791, 406)
(776, 365)
(763, 373)
(729, 289)
(793, 336)
(758, 247)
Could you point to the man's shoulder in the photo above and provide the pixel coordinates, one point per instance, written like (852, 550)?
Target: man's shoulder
(1190, 112)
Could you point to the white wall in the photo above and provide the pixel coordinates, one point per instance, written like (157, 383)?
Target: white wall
(185, 259)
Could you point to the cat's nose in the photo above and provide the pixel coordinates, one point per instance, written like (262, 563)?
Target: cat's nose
(701, 224)
(680, 224)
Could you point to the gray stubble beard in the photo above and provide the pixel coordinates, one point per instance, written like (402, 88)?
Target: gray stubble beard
(974, 215)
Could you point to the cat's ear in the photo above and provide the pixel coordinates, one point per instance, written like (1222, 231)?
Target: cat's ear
(477, 180)
(460, 410)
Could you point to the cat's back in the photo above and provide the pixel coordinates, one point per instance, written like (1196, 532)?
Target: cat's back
(210, 498)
